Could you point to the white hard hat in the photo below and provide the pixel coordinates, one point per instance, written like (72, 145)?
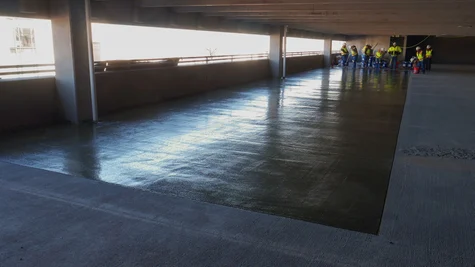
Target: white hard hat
(428, 46)
(418, 48)
(382, 49)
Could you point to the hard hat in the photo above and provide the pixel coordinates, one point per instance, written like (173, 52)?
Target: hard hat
(382, 49)
(394, 43)
(418, 48)
(428, 47)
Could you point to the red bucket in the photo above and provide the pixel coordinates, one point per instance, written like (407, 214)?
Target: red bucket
(416, 70)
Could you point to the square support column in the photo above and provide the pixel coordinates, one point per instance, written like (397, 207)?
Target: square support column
(74, 61)
(327, 52)
(276, 51)
(404, 50)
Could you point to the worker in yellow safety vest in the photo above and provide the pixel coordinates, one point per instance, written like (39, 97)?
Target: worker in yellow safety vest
(420, 59)
(344, 55)
(379, 57)
(428, 60)
(367, 53)
(354, 55)
(394, 51)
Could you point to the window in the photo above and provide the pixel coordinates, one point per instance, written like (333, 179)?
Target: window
(304, 45)
(24, 39)
(26, 48)
(142, 42)
(96, 51)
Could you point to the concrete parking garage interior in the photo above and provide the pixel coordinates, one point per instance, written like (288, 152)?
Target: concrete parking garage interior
(229, 164)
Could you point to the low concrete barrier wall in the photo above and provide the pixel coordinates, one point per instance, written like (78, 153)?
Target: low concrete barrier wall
(28, 103)
(301, 64)
(125, 89)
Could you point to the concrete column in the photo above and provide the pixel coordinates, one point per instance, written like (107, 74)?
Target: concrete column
(74, 63)
(276, 50)
(327, 52)
(404, 50)
(284, 53)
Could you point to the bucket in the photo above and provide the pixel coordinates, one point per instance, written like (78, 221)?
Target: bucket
(416, 70)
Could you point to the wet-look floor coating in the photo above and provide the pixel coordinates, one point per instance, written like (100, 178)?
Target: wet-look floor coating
(317, 147)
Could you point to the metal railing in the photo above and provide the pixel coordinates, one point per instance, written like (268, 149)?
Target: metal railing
(221, 59)
(304, 53)
(38, 70)
(12, 71)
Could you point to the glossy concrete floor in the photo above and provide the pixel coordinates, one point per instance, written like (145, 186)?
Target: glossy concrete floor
(317, 147)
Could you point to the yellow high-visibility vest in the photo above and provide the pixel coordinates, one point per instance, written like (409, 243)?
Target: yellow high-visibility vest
(354, 52)
(420, 55)
(394, 50)
(344, 51)
(367, 51)
(429, 53)
(379, 54)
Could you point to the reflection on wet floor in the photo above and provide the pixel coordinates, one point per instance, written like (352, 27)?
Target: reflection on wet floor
(316, 147)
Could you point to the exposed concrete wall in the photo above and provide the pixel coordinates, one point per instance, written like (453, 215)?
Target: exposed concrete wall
(27, 103)
(125, 89)
(380, 41)
(301, 64)
(446, 50)
(360, 42)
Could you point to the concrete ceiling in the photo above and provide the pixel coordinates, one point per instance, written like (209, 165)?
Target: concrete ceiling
(366, 17)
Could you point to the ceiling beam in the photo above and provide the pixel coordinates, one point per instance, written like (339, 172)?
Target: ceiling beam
(327, 7)
(361, 24)
(355, 17)
(350, 12)
(208, 3)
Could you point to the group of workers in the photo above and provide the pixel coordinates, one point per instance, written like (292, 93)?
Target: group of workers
(424, 58)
